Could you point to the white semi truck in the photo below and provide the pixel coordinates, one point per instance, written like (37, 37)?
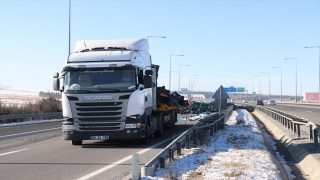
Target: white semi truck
(109, 92)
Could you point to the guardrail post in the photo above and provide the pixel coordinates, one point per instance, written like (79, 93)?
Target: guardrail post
(171, 154)
(188, 141)
(310, 132)
(294, 128)
(161, 162)
(135, 166)
(315, 132)
(298, 130)
(285, 123)
(289, 124)
(211, 130)
(222, 125)
(194, 136)
(215, 127)
(179, 148)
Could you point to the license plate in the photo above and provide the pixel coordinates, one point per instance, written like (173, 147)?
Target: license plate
(99, 137)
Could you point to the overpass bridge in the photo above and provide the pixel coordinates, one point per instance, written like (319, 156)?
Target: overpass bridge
(207, 95)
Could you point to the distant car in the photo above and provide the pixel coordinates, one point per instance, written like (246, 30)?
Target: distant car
(244, 101)
(271, 102)
(259, 102)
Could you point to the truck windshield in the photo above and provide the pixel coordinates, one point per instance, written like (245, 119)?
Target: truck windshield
(100, 80)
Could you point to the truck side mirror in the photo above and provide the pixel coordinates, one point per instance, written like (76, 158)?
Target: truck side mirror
(147, 82)
(56, 84)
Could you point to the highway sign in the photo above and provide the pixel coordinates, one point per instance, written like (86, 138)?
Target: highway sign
(240, 89)
(230, 89)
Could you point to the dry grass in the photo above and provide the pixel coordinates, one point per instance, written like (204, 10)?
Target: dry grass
(44, 105)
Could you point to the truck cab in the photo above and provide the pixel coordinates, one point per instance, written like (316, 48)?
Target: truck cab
(106, 90)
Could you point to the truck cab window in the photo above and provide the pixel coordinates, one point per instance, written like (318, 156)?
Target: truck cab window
(100, 80)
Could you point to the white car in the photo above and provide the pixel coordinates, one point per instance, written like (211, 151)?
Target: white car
(271, 102)
(244, 101)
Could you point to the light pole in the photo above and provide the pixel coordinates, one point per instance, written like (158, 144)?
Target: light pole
(189, 84)
(296, 75)
(156, 36)
(281, 82)
(319, 70)
(269, 84)
(259, 86)
(176, 72)
(247, 89)
(252, 89)
(179, 75)
(170, 69)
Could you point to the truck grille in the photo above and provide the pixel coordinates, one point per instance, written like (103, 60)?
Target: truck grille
(99, 116)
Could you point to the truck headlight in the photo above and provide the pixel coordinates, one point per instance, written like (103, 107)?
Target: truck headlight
(131, 126)
(67, 127)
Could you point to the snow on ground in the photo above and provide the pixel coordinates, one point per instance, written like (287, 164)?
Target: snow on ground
(237, 152)
(17, 96)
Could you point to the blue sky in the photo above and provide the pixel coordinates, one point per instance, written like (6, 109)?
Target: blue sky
(224, 42)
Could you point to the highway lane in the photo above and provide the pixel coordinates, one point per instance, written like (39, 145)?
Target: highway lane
(44, 155)
(311, 113)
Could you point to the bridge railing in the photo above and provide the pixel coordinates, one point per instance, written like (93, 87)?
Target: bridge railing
(213, 123)
(293, 123)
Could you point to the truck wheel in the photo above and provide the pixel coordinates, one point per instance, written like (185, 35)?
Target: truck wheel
(145, 139)
(159, 132)
(76, 142)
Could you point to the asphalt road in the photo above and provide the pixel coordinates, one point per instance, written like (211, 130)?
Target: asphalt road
(38, 152)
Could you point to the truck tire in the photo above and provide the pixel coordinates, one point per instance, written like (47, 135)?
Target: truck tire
(159, 132)
(145, 139)
(76, 142)
(172, 120)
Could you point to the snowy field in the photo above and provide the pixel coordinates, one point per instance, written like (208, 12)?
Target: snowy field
(18, 96)
(237, 152)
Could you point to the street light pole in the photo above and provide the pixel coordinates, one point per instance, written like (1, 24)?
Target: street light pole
(296, 75)
(252, 89)
(281, 82)
(269, 84)
(191, 90)
(189, 85)
(170, 70)
(179, 75)
(176, 72)
(247, 89)
(259, 86)
(319, 70)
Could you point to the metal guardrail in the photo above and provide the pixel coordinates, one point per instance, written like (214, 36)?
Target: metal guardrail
(293, 123)
(211, 122)
(9, 118)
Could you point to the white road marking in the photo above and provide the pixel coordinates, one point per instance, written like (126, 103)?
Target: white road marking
(29, 132)
(121, 161)
(13, 152)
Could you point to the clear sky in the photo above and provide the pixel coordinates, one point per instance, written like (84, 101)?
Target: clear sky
(224, 42)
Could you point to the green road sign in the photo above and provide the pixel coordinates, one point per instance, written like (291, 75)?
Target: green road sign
(240, 89)
(253, 92)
